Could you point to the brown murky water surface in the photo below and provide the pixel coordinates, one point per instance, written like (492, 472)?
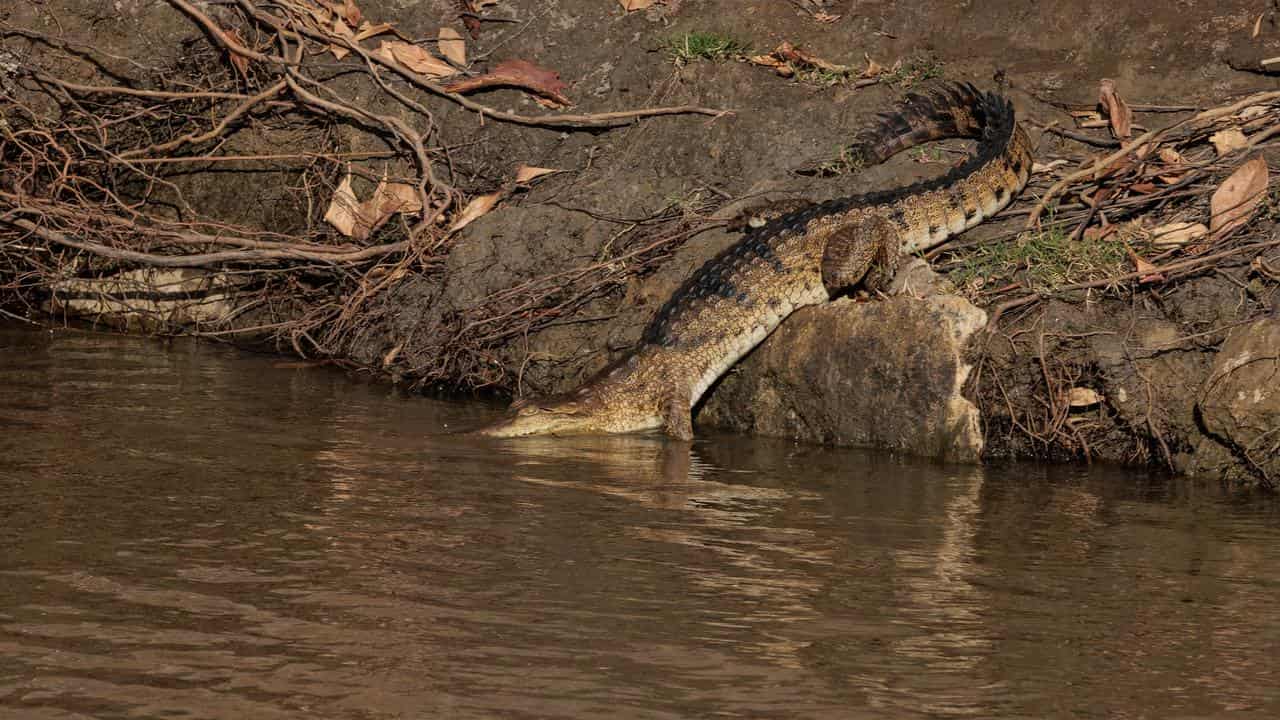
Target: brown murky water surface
(192, 532)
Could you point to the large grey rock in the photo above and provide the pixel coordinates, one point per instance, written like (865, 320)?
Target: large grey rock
(1240, 402)
(885, 374)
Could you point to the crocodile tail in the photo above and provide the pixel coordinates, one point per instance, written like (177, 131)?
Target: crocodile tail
(947, 110)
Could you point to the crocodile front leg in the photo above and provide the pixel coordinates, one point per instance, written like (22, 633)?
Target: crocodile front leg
(866, 250)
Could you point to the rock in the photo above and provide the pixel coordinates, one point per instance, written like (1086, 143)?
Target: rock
(885, 374)
(1239, 405)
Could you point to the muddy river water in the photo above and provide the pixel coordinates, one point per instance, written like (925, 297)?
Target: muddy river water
(188, 531)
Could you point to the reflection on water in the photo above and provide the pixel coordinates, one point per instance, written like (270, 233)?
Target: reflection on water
(190, 531)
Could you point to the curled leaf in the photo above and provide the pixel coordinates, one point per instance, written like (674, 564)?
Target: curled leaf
(414, 58)
(633, 5)
(1229, 140)
(358, 220)
(874, 69)
(348, 11)
(517, 73)
(342, 210)
(781, 67)
(791, 53)
(1150, 273)
(1235, 201)
(1119, 115)
(367, 30)
(474, 209)
(525, 173)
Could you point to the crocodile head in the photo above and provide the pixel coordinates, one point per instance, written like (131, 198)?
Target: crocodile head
(575, 415)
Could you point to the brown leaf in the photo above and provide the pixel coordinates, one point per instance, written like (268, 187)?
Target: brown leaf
(633, 5)
(397, 197)
(1150, 273)
(367, 30)
(1175, 234)
(240, 62)
(769, 61)
(452, 46)
(525, 173)
(1117, 110)
(1257, 26)
(341, 29)
(1236, 200)
(358, 220)
(787, 51)
(474, 209)
(414, 58)
(348, 11)
(517, 73)
(1229, 140)
(874, 69)
(343, 208)
(1081, 397)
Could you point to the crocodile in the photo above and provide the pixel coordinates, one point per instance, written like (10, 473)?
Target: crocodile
(800, 257)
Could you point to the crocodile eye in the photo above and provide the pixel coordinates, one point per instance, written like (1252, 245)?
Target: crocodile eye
(567, 408)
(528, 410)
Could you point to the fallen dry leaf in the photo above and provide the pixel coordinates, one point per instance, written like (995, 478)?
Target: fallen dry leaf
(343, 208)
(874, 69)
(1175, 170)
(1257, 26)
(1118, 112)
(452, 46)
(1236, 200)
(474, 209)
(358, 220)
(525, 173)
(1177, 233)
(414, 58)
(348, 11)
(367, 30)
(791, 53)
(1150, 273)
(1081, 397)
(631, 5)
(1229, 140)
(825, 17)
(779, 66)
(397, 197)
(341, 29)
(517, 73)
(240, 62)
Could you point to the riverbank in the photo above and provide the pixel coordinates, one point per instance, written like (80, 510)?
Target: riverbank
(1093, 355)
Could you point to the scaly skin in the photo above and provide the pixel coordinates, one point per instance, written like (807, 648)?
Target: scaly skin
(800, 258)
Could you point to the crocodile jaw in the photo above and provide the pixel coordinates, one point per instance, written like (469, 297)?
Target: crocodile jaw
(555, 420)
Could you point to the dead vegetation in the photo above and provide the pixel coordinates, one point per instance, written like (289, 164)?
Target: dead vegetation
(94, 213)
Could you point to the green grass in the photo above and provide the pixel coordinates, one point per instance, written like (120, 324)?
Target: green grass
(913, 71)
(705, 46)
(1045, 260)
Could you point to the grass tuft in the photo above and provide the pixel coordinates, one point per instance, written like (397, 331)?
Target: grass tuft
(1044, 260)
(913, 71)
(707, 46)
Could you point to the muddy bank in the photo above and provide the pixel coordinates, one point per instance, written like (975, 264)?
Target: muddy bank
(560, 278)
